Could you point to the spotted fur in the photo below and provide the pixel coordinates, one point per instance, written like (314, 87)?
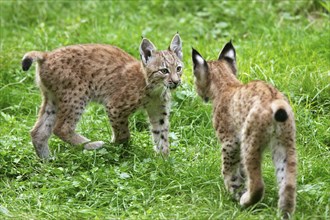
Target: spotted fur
(246, 119)
(71, 77)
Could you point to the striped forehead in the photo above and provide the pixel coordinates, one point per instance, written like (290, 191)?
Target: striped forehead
(168, 58)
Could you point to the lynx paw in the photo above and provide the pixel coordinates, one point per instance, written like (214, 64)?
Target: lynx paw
(42, 150)
(94, 145)
(238, 194)
(164, 151)
(252, 197)
(119, 141)
(235, 185)
(245, 199)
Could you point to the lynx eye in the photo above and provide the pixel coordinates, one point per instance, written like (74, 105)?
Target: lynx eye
(164, 71)
(178, 69)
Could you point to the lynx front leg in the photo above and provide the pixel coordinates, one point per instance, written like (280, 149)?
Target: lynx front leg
(159, 119)
(284, 158)
(231, 168)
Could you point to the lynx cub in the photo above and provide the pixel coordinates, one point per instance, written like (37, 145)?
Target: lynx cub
(246, 118)
(70, 77)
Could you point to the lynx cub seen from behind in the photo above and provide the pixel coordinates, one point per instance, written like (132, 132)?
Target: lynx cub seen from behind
(72, 76)
(246, 119)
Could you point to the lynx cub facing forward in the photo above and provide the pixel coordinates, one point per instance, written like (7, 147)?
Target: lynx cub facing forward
(72, 76)
(246, 118)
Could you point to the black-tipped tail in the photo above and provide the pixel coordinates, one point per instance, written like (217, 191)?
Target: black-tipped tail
(281, 115)
(26, 63)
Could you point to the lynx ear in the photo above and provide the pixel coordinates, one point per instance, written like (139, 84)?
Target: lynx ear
(176, 46)
(146, 50)
(200, 66)
(228, 53)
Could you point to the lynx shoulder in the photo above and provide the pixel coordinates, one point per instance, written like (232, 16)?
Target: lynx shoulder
(71, 77)
(247, 118)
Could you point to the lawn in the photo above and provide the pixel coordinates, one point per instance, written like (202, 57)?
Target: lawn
(286, 43)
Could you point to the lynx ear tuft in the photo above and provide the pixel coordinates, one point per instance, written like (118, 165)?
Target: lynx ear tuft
(176, 46)
(146, 50)
(200, 65)
(228, 52)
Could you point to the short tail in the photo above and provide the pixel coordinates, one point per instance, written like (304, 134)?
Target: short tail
(30, 57)
(280, 110)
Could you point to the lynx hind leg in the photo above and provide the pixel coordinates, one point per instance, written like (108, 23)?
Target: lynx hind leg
(285, 161)
(42, 129)
(255, 135)
(252, 155)
(68, 115)
(232, 168)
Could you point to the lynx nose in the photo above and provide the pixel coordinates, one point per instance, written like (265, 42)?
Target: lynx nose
(175, 79)
(173, 84)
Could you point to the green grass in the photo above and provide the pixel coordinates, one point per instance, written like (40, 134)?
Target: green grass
(285, 43)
